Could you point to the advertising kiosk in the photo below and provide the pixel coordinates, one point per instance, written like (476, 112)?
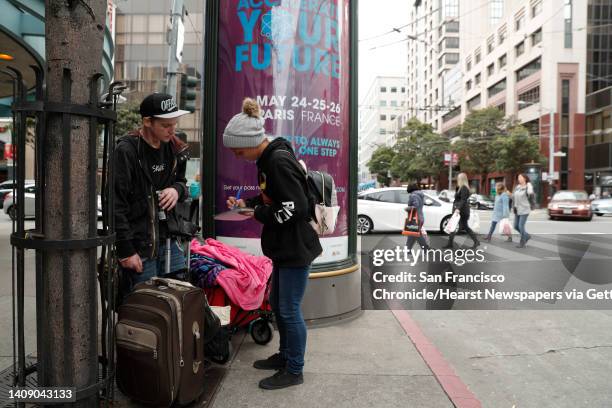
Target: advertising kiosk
(298, 60)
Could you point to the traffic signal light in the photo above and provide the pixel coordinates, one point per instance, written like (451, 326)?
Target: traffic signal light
(188, 93)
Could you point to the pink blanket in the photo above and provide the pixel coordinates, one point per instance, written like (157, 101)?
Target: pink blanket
(245, 279)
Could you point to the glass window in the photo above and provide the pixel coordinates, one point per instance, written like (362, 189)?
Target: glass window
(468, 85)
(393, 117)
(519, 22)
(531, 97)
(502, 61)
(452, 26)
(497, 88)
(468, 65)
(393, 90)
(382, 131)
(536, 37)
(474, 102)
(452, 58)
(157, 24)
(157, 39)
(490, 69)
(536, 8)
(383, 103)
(477, 56)
(393, 103)
(383, 89)
(519, 49)
(403, 89)
(124, 23)
(383, 117)
(502, 34)
(477, 79)
(490, 44)
(139, 24)
(452, 42)
(529, 69)
(567, 15)
(496, 11)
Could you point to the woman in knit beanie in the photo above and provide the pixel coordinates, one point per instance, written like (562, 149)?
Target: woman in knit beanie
(284, 209)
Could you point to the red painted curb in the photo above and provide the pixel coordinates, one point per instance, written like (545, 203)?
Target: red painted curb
(455, 389)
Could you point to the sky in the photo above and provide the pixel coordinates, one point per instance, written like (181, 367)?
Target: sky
(377, 17)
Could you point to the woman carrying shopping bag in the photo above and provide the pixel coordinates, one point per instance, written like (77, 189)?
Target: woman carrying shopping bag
(523, 200)
(501, 211)
(416, 200)
(461, 205)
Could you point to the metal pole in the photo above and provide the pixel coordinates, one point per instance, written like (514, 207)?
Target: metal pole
(173, 60)
(551, 152)
(450, 170)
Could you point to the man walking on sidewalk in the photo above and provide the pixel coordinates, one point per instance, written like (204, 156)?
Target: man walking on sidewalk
(150, 179)
(285, 209)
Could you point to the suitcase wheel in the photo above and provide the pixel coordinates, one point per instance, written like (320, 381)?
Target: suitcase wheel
(261, 331)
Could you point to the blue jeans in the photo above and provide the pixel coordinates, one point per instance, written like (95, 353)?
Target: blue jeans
(519, 225)
(492, 229)
(152, 267)
(287, 292)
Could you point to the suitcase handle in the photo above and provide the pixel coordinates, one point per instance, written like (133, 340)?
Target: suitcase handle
(197, 359)
(171, 283)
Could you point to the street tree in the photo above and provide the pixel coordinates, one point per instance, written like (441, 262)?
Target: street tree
(475, 146)
(515, 149)
(419, 152)
(128, 119)
(67, 335)
(380, 163)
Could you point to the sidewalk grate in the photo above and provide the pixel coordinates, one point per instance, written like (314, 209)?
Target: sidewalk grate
(6, 382)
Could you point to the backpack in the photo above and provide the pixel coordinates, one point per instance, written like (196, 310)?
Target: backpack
(321, 186)
(322, 198)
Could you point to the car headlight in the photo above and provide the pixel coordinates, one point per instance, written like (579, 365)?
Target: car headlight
(584, 207)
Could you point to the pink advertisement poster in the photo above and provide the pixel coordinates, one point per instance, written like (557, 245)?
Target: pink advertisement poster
(293, 58)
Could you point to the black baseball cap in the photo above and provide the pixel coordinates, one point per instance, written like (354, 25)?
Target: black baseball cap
(160, 105)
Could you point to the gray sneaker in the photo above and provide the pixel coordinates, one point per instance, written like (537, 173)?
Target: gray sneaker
(274, 362)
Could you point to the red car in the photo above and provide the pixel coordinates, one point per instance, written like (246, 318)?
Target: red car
(570, 204)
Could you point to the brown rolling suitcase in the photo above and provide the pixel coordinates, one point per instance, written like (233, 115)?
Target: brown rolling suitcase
(159, 343)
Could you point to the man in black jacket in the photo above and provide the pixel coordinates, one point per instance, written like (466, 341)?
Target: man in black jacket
(284, 208)
(149, 180)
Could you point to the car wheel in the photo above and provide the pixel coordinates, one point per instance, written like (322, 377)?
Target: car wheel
(443, 223)
(12, 212)
(364, 224)
(589, 218)
(599, 214)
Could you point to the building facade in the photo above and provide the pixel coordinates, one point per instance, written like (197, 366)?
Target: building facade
(598, 143)
(381, 105)
(142, 50)
(433, 50)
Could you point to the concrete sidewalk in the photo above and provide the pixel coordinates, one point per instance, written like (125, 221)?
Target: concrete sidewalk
(367, 362)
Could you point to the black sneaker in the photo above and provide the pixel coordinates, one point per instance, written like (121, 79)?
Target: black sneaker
(274, 362)
(282, 379)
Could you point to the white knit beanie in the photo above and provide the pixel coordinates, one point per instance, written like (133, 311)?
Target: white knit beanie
(245, 129)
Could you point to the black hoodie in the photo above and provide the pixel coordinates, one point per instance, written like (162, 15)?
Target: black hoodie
(136, 221)
(287, 237)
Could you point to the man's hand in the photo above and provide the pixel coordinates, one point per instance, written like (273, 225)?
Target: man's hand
(168, 198)
(233, 203)
(132, 262)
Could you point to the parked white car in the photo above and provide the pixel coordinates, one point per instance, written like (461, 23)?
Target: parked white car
(383, 209)
(7, 186)
(10, 208)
